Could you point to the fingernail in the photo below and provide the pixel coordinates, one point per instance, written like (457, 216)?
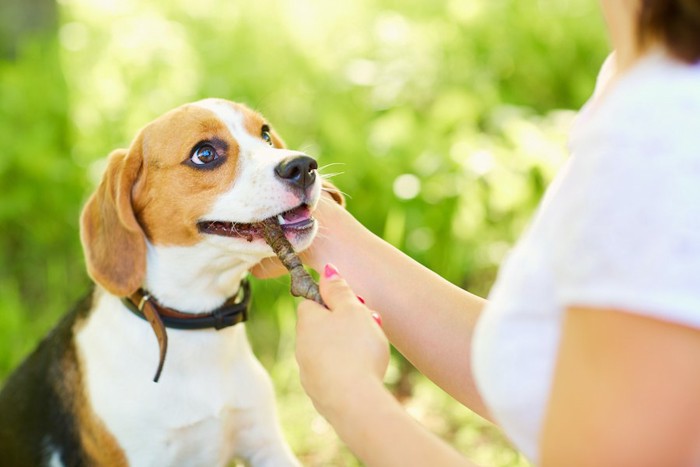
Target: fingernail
(362, 300)
(377, 318)
(330, 272)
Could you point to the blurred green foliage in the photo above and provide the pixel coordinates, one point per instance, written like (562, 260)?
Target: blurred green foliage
(444, 120)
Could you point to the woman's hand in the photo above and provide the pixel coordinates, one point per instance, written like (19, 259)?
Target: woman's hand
(343, 355)
(340, 347)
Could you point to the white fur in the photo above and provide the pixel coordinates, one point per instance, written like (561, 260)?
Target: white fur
(213, 398)
(54, 455)
(197, 278)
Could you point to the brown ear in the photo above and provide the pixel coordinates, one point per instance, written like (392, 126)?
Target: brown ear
(113, 241)
(335, 193)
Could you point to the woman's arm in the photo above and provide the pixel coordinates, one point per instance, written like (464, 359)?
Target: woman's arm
(343, 356)
(380, 432)
(428, 319)
(626, 392)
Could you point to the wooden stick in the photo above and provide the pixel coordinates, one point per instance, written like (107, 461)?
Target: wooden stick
(303, 284)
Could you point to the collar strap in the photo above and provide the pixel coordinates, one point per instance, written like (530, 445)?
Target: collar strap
(145, 306)
(233, 311)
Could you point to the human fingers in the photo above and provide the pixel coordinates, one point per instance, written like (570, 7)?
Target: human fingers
(335, 291)
(336, 349)
(338, 292)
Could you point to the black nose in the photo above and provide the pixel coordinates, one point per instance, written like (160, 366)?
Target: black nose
(299, 171)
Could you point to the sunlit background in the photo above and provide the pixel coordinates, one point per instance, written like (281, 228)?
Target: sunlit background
(443, 119)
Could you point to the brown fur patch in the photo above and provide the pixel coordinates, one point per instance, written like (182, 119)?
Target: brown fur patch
(254, 122)
(335, 193)
(276, 140)
(98, 444)
(171, 195)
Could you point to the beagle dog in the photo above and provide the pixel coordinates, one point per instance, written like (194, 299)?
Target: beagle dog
(169, 237)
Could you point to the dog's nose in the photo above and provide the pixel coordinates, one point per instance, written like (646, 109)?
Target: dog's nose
(299, 171)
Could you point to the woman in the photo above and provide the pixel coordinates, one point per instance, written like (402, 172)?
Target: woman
(588, 351)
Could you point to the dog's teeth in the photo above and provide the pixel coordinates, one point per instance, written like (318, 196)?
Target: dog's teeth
(280, 219)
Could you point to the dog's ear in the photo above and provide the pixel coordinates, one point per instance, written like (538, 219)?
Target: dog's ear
(113, 241)
(335, 193)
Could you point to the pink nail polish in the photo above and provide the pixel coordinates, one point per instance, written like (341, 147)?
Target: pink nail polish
(362, 300)
(377, 318)
(330, 272)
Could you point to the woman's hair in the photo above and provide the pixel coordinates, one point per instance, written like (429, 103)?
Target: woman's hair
(675, 23)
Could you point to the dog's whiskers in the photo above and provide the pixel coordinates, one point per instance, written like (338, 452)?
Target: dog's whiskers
(327, 190)
(331, 175)
(330, 165)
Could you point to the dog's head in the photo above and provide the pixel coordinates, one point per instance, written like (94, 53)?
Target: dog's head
(203, 172)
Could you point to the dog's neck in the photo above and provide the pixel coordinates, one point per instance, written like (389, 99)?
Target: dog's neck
(194, 279)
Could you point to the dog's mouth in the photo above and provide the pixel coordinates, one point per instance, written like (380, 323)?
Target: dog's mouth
(295, 221)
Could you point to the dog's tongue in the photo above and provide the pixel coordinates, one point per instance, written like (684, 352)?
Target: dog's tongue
(299, 214)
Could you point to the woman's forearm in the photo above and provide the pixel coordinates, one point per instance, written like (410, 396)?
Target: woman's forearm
(380, 432)
(428, 319)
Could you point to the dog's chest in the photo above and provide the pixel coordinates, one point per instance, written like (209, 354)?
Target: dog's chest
(212, 390)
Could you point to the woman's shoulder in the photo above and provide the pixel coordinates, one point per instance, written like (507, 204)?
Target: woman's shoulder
(655, 104)
(658, 91)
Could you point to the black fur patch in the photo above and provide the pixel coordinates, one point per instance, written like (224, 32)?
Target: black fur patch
(37, 412)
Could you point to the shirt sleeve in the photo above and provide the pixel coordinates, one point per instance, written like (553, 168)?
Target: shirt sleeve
(632, 241)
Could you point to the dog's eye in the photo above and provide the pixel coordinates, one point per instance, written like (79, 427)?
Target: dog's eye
(265, 135)
(204, 154)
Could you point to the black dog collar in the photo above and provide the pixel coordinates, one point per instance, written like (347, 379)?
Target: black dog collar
(143, 305)
(233, 311)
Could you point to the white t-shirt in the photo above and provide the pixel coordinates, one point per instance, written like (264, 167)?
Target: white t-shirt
(618, 228)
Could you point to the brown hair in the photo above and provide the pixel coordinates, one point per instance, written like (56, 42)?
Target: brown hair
(675, 23)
